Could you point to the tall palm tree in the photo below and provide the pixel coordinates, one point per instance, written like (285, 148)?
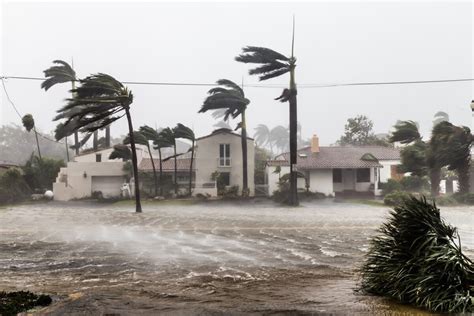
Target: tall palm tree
(274, 64)
(262, 136)
(141, 139)
(62, 72)
(29, 124)
(162, 141)
(169, 137)
(231, 98)
(279, 138)
(182, 131)
(99, 101)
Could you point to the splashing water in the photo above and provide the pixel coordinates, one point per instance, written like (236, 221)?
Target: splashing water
(251, 258)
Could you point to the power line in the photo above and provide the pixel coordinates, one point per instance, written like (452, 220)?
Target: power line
(18, 112)
(310, 85)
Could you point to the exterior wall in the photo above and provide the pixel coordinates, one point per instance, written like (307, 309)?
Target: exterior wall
(320, 180)
(90, 157)
(207, 156)
(385, 171)
(273, 178)
(75, 181)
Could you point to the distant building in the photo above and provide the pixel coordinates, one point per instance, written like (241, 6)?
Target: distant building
(4, 166)
(338, 169)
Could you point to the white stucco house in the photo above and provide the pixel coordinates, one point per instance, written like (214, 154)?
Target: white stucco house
(337, 169)
(219, 151)
(92, 172)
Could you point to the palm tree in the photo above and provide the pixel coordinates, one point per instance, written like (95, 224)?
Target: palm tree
(274, 64)
(279, 138)
(29, 124)
(121, 152)
(231, 98)
(405, 132)
(141, 139)
(182, 131)
(262, 136)
(99, 101)
(169, 137)
(162, 141)
(150, 134)
(62, 72)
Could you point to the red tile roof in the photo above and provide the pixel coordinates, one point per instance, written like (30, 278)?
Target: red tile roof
(168, 166)
(338, 157)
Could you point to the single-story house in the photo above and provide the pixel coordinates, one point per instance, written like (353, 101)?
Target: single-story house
(337, 169)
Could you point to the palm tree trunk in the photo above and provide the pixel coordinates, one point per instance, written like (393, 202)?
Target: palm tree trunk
(191, 170)
(463, 177)
(293, 140)
(154, 170)
(161, 173)
(435, 178)
(107, 136)
(67, 149)
(138, 205)
(95, 141)
(245, 180)
(175, 171)
(76, 142)
(37, 143)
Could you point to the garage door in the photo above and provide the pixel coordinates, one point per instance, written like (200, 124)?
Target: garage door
(108, 185)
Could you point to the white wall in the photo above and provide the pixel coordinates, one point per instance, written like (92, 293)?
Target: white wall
(272, 178)
(142, 151)
(320, 180)
(207, 155)
(75, 181)
(385, 171)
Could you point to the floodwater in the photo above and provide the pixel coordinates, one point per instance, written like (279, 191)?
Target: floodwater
(208, 259)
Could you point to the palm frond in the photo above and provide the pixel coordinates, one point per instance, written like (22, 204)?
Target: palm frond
(182, 131)
(138, 137)
(121, 152)
(149, 132)
(259, 55)
(405, 132)
(61, 73)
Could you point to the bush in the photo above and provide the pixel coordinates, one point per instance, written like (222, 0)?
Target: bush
(415, 184)
(395, 198)
(231, 192)
(445, 200)
(417, 259)
(390, 186)
(13, 187)
(464, 198)
(16, 302)
(41, 173)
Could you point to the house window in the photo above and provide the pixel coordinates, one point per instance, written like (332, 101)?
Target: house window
(337, 175)
(225, 178)
(224, 155)
(363, 175)
(98, 157)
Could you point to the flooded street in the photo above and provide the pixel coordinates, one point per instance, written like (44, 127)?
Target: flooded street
(215, 258)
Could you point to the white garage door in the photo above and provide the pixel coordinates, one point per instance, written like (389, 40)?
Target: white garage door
(108, 185)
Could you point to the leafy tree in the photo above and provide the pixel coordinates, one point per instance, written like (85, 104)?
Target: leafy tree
(359, 132)
(405, 132)
(29, 124)
(99, 101)
(230, 97)
(182, 131)
(13, 187)
(273, 64)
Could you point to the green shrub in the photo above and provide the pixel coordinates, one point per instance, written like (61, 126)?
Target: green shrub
(395, 198)
(417, 259)
(390, 186)
(13, 187)
(40, 174)
(16, 302)
(464, 198)
(414, 184)
(445, 200)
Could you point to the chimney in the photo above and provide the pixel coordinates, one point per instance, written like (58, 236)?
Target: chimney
(315, 144)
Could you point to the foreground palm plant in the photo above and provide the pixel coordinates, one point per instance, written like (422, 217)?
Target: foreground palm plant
(231, 98)
(274, 64)
(417, 259)
(99, 101)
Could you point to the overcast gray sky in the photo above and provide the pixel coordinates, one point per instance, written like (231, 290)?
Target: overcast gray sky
(196, 42)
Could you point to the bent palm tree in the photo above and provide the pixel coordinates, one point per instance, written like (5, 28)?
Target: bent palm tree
(168, 136)
(231, 98)
(150, 134)
(274, 64)
(29, 124)
(182, 131)
(161, 141)
(262, 136)
(99, 101)
(141, 139)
